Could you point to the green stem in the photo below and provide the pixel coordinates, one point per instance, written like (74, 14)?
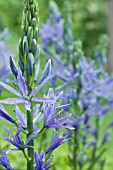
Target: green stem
(95, 147)
(25, 155)
(30, 151)
(75, 151)
(40, 133)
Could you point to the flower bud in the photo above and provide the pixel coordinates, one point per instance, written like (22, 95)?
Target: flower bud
(21, 49)
(33, 24)
(33, 48)
(37, 67)
(30, 36)
(36, 33)
(13, 67)
(21, 64)
(37, 53)
(25, 46)
(30, 63)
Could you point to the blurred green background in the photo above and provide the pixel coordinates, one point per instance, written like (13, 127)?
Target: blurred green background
(89, 19)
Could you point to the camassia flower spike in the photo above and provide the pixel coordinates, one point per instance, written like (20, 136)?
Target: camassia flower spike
(28, 81)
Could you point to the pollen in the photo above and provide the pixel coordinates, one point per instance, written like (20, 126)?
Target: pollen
(60, 137)
(60, 112)
(43, 160)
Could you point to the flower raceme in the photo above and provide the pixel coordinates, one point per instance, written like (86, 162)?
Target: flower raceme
(27, 85)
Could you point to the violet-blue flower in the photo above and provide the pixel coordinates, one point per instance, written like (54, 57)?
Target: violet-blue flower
(16, 141)
(56, 141)
(52, 119)
(105, 137)
(92, 143)
(4, 161)
(41, 163)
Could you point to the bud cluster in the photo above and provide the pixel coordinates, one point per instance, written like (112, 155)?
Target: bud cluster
(29, 50)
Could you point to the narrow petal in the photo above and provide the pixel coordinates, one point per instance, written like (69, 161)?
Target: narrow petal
(32, 136)
(10, 89)
(13, 67)
(20, 116)
(33, 92)
(21, 84)
(7, 131)
(27, 104)
(35, 110)
(6, 116)
(43, 100)
(12, 101)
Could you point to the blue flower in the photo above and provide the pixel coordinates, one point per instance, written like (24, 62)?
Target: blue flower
(16, 141)
(4, 161)
(92, 142)
(53, 120)
(56, 141)
(41, 163)
(105, 137)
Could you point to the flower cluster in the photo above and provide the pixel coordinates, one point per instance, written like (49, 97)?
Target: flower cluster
(27, 84)
(88, 88)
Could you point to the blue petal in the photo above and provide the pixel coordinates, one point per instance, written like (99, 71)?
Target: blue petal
(46, 72)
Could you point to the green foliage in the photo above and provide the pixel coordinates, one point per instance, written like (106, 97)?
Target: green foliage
(13, 14)
(88, 18)
(88, 21)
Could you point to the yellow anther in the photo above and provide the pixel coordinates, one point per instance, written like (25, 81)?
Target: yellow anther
(43, 160)
(25, 97)
(60, 112)
(60, 137)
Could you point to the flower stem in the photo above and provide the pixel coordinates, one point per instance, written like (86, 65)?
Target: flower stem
(25, 155)
(75, 151)
(30, 151)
